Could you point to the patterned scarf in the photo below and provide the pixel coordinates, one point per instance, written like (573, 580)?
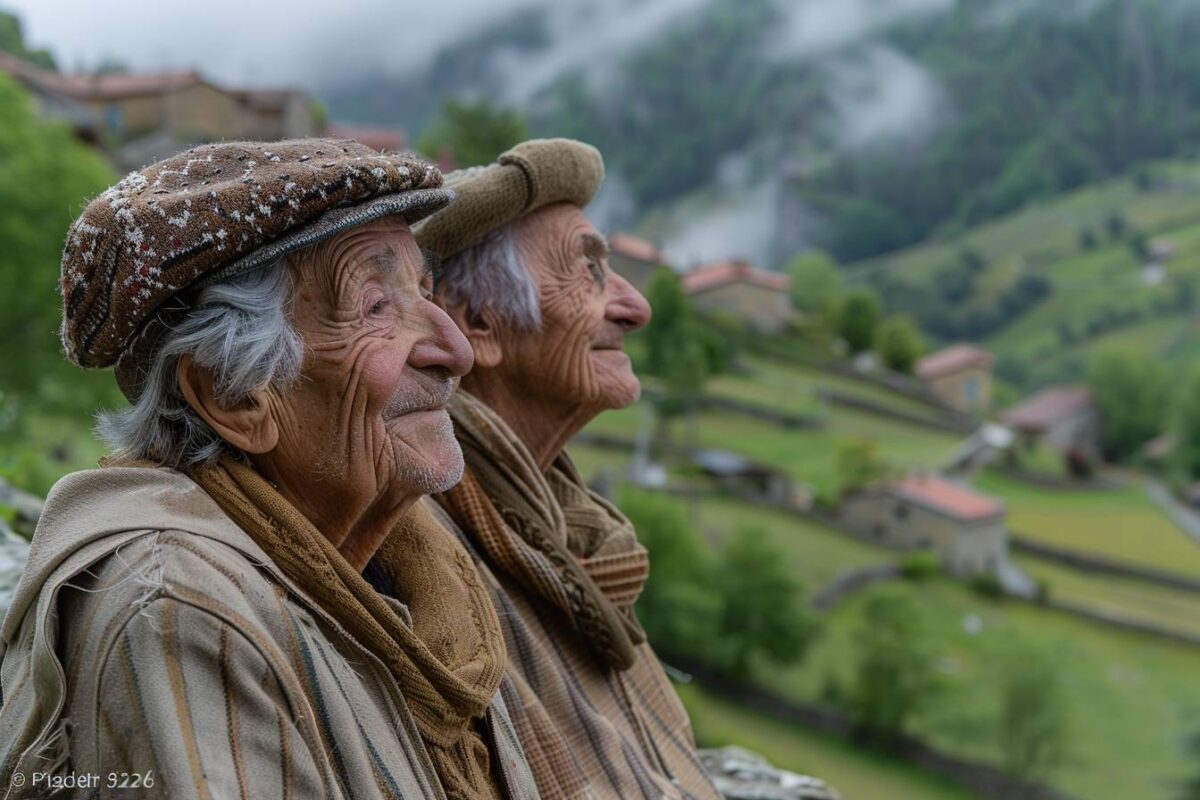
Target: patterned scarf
(560, 540)
(448, 664)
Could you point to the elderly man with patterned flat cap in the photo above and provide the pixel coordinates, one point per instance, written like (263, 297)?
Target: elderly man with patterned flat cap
(525, 276)
(199, 617)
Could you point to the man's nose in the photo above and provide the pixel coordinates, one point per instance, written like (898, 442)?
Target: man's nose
(442, 346)
(626, 306)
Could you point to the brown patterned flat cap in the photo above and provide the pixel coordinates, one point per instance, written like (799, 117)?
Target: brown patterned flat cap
(531, 175)
(213, 212)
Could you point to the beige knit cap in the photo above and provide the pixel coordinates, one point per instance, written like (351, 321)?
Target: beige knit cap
(531, 175)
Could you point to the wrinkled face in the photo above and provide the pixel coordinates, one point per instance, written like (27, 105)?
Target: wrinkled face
(367, 420)
(577, 358)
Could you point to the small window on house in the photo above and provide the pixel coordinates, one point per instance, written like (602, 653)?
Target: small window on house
(901, 511)
(971, 390)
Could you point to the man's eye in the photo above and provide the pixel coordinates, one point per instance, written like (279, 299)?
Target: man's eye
(377, 307)
(597, 271)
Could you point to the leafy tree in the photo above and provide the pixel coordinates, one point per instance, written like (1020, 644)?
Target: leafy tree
(898, 342)
(894, 673)
(1187, 424)
(816, 284)
(1190, 789)
(677, 348)
(762, 603)
(46, 176)
(1033, 728)
(859, 464)
(678, 606)
(857, 318)
(472, 133)
(12, 40)
(1128, 390)
(1116, 225)
(972, 261)
(1139, 245)
(864, 227)
(955, 283)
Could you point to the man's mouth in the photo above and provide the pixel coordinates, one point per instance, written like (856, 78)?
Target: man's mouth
(430, 395)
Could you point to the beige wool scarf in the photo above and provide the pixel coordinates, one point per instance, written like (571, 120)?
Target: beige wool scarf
(562, 541)
(448, 664)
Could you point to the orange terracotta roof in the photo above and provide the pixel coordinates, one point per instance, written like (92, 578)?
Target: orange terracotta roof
(382, 139)
(1047, 407)
(940, 495)
(722, 273)
(636, 248)
(953, 359)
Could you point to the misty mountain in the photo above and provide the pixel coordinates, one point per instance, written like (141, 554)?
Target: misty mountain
(760, 127)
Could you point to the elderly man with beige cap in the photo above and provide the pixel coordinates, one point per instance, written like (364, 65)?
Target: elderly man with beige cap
(525, 276)
(199, 618)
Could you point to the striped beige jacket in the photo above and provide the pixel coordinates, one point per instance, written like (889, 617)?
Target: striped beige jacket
(590, 731)
(151, 641)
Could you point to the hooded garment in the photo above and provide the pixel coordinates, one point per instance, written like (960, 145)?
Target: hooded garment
(595, 712)
(150, 634)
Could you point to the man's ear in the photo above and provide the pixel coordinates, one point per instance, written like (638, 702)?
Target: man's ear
(250, 427)
(482, 331)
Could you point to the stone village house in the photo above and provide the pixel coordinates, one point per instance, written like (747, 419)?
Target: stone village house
(966, 529)
(961, 375)
(1063, 418)
(146, 116)
(760, 298)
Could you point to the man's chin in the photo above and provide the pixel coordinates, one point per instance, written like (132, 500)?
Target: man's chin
(437, 462)
(624, 394)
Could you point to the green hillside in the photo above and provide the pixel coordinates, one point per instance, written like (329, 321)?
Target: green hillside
(1083, 245)
(1130, 695)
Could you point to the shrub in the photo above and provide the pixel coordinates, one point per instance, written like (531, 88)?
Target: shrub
(1033, 727)
(920, 566)
(678, 607)
(762, 604)
(986, 584)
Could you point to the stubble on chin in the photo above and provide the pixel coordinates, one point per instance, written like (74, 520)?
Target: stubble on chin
(435, 460)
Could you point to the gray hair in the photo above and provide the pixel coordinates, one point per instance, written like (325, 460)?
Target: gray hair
(240, 331)
(492, 274)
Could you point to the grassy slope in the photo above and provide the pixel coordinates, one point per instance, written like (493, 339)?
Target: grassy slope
(1132, 599)
(817, 555)
(1122, 524)
(1045, 237)
(1131, 698)
(858, 775)
(1049, 230)
(808, 455)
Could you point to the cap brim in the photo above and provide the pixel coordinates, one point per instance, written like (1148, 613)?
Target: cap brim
(412, 205)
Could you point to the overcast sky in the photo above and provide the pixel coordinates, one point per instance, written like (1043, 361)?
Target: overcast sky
(299, 42)
(251, 41)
